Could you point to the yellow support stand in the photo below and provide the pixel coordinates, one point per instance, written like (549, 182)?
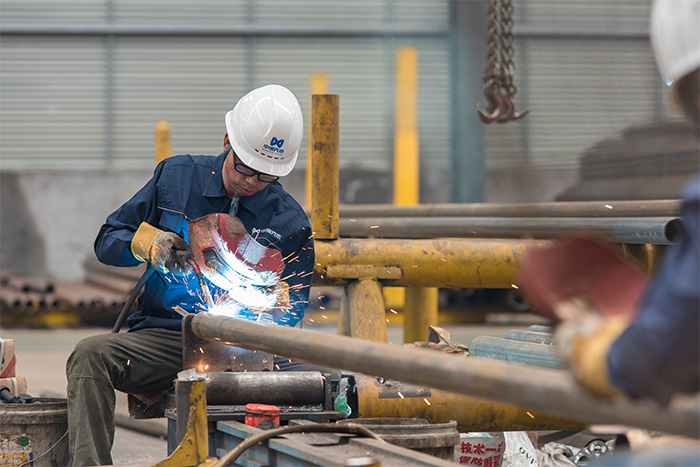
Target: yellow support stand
(163, 147)
(318, 84)
(193, 450)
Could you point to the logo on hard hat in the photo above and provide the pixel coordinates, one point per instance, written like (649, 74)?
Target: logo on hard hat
(275, 142)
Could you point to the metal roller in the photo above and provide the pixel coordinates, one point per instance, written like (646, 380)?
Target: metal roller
(275, 388)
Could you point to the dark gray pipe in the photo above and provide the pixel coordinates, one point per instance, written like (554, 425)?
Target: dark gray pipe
(643, 230)
(652, 208)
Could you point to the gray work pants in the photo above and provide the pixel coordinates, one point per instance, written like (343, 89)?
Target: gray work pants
(140, 362)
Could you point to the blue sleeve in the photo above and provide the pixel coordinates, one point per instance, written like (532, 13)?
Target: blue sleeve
(113, 242)
(659, 354)
(297, 273)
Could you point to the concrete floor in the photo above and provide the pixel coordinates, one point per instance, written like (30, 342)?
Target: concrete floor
(42, 354)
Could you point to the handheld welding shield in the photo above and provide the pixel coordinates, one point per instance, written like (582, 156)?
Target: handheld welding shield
(229, 257)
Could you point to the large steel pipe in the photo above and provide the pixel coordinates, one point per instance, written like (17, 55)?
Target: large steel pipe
(532, 388)
(275, 387)
(474, 263)
(648, 230)
(651, 208)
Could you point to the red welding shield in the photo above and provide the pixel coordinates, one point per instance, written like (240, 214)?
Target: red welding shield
(229, 257)
(581, 268)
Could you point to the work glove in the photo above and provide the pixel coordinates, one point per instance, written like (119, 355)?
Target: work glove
(583, 340)
(167, 252)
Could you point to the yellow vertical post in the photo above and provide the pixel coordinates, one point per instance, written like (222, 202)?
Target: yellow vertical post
(163, 148)
(318, 84)
(406, 182)
(344, 315)
(419, 304)
(325, 164)
(420, 312)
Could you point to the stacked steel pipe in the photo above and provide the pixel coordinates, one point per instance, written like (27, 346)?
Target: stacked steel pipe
(95, 300)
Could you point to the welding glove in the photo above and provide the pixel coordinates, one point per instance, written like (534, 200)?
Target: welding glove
(166, 251)
(583, 340)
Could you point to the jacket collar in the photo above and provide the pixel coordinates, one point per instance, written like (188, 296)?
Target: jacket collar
(214, 188)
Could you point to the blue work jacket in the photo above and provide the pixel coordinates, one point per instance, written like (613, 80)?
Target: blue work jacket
(184, 188)
(659, 354)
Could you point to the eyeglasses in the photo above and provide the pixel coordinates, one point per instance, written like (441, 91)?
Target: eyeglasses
(243, 169)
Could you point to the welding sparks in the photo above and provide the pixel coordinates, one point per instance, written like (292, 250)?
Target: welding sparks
(514, 286)
(324, 316)
(608, 206)
(393, 311)
(373, 226)
(426, 401)
(400, 395)
(531, 416)
(128, 362)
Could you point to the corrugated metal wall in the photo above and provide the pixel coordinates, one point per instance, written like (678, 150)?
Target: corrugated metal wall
(586, 71)
(90, 100)
(97, 97)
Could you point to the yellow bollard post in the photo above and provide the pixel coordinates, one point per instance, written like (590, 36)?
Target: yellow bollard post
(325, 164)
(420, 305)
(318, 84)
(163, 148)
(366, 310)
(406, 164)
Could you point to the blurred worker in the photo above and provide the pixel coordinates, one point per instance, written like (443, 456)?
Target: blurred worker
(263, 135)
(654, 351)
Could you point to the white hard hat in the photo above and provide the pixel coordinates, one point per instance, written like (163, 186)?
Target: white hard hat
(265, 129)
(675, 37)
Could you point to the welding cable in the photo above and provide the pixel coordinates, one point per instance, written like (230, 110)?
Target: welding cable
(130, 301)
(352, 428)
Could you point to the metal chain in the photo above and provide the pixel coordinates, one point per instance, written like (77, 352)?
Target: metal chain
(507, 51)
(497, 78)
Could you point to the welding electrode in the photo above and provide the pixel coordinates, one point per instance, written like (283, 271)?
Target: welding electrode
(202, 285)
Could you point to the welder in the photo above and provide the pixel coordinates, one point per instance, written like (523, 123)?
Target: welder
(648, 347)
(263, 134)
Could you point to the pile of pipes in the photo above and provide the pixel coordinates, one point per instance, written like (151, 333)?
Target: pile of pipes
(95, 300)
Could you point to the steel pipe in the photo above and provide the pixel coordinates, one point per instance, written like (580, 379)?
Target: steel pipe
(264, 387)
(647, 230)
(529, 336)
(514, 351)
(531, 388)
(652, 208)
(477, 263)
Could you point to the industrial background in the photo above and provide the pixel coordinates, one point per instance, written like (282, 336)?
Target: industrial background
(427, 224)
(83, 83)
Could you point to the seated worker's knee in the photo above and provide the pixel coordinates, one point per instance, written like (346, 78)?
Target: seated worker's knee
(88, 357)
